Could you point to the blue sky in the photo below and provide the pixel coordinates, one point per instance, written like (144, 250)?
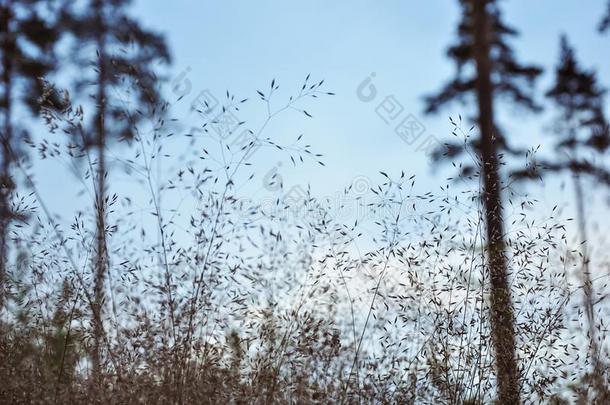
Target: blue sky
(242, 45)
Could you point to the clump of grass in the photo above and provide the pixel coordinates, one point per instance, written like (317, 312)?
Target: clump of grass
(214, 297)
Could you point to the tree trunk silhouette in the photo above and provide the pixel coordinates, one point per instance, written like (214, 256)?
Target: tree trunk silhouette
(587, 284)
(502, 318)
(6, 183)
(100, 203)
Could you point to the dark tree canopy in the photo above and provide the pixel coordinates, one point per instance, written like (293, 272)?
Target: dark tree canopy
(581, 125)
(605, 22)
(105, 36)
(28, 37)
(580, 101)
(511, 80)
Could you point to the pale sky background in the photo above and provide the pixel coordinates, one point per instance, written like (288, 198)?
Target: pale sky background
(242, 45)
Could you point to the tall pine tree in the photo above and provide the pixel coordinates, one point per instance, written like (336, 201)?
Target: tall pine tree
(582, 130)
(27, 39)
(487, 70)
(581, 134)
(122, 57)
